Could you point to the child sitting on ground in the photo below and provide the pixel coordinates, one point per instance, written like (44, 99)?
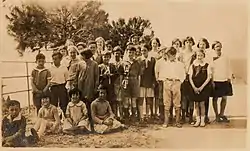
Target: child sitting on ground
(102, 114)
(76, 114)
(13, 126)
(48, 119)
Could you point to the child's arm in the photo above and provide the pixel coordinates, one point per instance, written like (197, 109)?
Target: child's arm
(110, 110)
(157, 70)
(96, 76)
(67, 115)
(34, 88)
(93, 114)
(20, 132)
(207, 80)
(48, 82)
(84, 111)
(190, 78)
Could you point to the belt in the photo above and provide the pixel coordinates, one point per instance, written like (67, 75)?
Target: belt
(173, 80)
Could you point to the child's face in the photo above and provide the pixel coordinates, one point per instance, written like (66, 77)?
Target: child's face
(154, 44)
(138, 52)
(75, 98)
(56, 59)
(80, 47)
(72, 53)
(118, 55)
(202, 45)
(200, 55)
(14, 111)
(102, 94)
(92, 47)
(171, 57)
(188, 44)
(100, 43)
(106, 59)
(109, 47)
(145, 52)
(45, 101)
(131, 54)
(40, 62)
(176, 45)
(63, 52)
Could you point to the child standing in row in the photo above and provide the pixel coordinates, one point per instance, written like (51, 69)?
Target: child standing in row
(222, 82)
(40, 80)
(76, 114)
(199, 77)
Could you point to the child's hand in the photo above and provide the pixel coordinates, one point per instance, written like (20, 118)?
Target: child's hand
(200, 89)
(196, 90)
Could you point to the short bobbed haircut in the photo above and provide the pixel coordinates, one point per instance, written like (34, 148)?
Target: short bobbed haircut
(215, 43)
(188, 38)
(157, 40)
(205, 41)
(176, 40)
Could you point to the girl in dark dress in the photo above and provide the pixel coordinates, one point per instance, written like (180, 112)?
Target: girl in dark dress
(199, 77)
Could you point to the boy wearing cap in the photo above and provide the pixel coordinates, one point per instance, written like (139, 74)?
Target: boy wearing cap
(131, 86)
(102, 114)
(172, 79)
(107, 73)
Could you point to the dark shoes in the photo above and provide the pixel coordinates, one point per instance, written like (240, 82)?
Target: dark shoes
(34, 134)
(222, 119)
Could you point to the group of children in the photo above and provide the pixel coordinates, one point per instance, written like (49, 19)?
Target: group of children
(101, 89)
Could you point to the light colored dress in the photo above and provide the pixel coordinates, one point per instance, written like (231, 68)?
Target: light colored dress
(78, 113)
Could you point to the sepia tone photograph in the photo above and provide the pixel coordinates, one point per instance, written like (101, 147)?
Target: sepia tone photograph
(142, 74)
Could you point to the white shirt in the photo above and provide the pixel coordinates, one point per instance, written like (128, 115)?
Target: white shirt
(171, 70)
(210, 54)
(222, 69)
(154, 54)
(59, 75)
(186, 58)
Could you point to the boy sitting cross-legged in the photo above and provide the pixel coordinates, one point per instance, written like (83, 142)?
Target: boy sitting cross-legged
(102, 114)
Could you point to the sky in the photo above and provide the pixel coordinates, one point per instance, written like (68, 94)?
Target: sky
(223, 20)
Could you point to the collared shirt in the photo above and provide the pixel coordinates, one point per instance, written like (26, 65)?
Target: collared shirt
(222, 69)
(59, 75)
(76, 111)
(196, 63)
(169, 70)
(48, 113)
(15, 127)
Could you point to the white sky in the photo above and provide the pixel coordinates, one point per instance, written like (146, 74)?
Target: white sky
(224, 20)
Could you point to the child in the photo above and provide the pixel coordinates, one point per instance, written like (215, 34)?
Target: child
(80, 46)
(107, 71)
(76, 114)
(199, 77)
(134, 39)
(65, 59)
(172, 79)
(100, 43)
(40, 78)
(13, 126)
(155, 44)
(118, 79)
(102, 114)
(108, 45)
(177, 44)
(88, 81)
(131, 83)
(187, 56)
(59, 76)
(97, 56)
(222, 82)
(147, 82)
(48, 119)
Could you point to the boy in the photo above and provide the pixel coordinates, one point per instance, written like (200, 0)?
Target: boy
(93, 47)
(88, 81)
(107, 71)
(13, 126)
(118, 79)
(108, 45)
(80, 46)
(102, 114)
(172, 79)
(147, 83)
(40, 78)
(59, 76)
(131, 83)
(48, 119)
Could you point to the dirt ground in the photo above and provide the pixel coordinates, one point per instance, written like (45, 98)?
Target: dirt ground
(133, 137)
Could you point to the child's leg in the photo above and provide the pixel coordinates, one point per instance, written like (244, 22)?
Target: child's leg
(191, 110)
(177, 101)
(149, 105)
(126, 107)
(160, 99)
(206, 110)
(42, 127)
(134, 108)
(63, 97)
(37, 102)
(197, 110)
(167, 96)
(203, 108)
(140, 106)
(120, 107)
(38, 124)
(222, 108)
(215, 106)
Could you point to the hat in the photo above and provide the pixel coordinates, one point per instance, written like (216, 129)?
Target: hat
(117, 48)
(87, 53)
(81, 44)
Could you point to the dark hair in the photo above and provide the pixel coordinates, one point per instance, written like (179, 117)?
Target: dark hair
(75, 91)
(57, 54)
(129, 43)
(13, 103)
(87, 53)
(201, 52)
(102, 87)
(189, 38)
(91, 42)
(205, 41)
(45, 95)
(117, 48)
(81, 44)
(132, 48)
(177, 40)
(157, 40)
(40, 56)
(215, 43)
(145, 46)
(171, 51)
(107, 53)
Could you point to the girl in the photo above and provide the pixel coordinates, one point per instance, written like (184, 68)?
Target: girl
(66, 59)
(203, 45)
(76, 114)
(100, 43)
(199, 77)
(187, 56)
(222, 82)
(177, 44)
(155, 44)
